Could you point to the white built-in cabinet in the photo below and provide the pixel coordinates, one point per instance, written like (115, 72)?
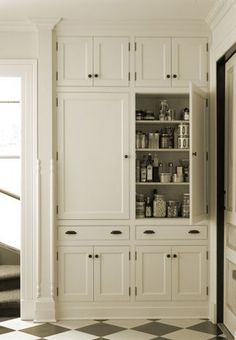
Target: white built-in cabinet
(93, 61)
(171, 273)
(88, 273)
(93, 155)
(166, 62)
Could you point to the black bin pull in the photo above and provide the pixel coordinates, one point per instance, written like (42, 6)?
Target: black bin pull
(194, 231)
(149, 232)
(116, 232)
(70, 232)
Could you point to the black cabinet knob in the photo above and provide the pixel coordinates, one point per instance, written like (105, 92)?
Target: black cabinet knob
(194, 154)
(174, 256)
(96, 256)
(90, 75)
(168, 76)
(90, 256)
(194, 231)
(149, 232)
(168, 255)
(174, 75)
(116, 232)
(70, 232)
(96, 75)
(126, 156)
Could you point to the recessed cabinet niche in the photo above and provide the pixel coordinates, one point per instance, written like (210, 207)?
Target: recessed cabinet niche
(166, 62)
(93, 61)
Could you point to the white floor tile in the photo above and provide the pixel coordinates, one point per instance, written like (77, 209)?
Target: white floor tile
(72, 335)
(183, 323)
(187, 334)
(130, 334)
(17, 336)
(73, 324)
(18, 324)
(127, 323)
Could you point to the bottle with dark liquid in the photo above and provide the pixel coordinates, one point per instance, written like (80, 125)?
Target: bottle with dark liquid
(149, 168)
(148, 208)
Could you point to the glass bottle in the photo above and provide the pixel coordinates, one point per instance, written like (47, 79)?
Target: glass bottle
(149, 168)
(148, 208)
(143, 172)
(155, 168)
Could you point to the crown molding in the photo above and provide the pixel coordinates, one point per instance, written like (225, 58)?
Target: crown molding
(17, 26)
(45, 23)
(218, 11)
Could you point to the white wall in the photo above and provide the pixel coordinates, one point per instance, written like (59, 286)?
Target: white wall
(21, 45)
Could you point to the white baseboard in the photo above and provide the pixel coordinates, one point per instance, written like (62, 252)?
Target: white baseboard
(45, 310)
(27, 309)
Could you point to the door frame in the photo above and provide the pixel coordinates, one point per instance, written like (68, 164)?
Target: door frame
(220, 130)
(26, 69)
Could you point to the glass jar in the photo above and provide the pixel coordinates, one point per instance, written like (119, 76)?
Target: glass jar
(140, 206)
(186, 206)
(159, 206)
(172, 209)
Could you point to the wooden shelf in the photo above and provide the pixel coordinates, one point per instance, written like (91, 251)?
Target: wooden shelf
(159, 183)
(155, 121)
(161, 150)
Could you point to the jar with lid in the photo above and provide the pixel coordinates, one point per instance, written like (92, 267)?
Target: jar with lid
(159, 206)
(172, 209)
(186, 114)
(186, 206)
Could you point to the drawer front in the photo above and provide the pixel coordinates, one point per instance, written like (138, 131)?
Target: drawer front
(81, 233)
(171, 233)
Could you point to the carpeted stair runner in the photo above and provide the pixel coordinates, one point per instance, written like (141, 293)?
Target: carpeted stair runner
(9, 290)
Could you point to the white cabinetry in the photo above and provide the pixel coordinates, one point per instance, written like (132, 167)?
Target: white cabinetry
(166, 62)
(171, 273)
(93, 273)
(88, 61)
(93, 162)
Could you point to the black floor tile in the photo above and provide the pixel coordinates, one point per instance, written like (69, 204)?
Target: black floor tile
(156, 328)
(4, 330)
(218, 338)
(207, 327)
(44, 330)
(100, 329)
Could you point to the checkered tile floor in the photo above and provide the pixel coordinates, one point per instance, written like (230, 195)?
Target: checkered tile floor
(163, 329)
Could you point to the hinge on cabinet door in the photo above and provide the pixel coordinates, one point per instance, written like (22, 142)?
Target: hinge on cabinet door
(207, 290)
(135, 46)
(207, 76)
(136, 291)
(207, 255)
(56, 102)
(207, 155)
(57, 209)
(129, 76)
(129, 255)
(207, 47)
(57, 255)
(57, 156)
(135, 256)
(135, 75)
(56, 75)
(129, 291)
(57, 291)
(207, 102)
(207, 208)
(129, 46)
(57, 46)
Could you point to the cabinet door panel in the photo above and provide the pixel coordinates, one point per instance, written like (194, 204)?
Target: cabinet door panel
(189, 273)
(153, 62)
(111, 61)
(189, 61)
(111, 274)
(153, 273)
(74, 61)
(92, 142)
(198, 148)
(75, 274)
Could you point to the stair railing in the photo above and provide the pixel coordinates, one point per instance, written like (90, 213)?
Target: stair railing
(10, 194)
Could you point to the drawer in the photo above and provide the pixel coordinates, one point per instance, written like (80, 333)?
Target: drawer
(171, 233)
(81, 233)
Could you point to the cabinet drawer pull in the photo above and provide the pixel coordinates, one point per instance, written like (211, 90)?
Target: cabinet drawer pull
(149, 232)
(116, 232)
(194, 231)
(70, 232)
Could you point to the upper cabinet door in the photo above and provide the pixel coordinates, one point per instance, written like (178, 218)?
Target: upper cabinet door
(93, 149)
(189, 61)
(153, 62)
(198, 158)
(111, 61)
(75, 61)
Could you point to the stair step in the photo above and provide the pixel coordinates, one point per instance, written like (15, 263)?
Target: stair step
(10, 296)
(9, 272)
(10, 284)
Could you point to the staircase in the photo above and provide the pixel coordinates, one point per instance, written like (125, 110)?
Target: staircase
(9, 290)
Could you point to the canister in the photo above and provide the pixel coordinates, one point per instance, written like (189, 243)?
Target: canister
(183, 142)
(159, 206)
(172, 209)
(165, 177)
(140, 209)
(183, 130)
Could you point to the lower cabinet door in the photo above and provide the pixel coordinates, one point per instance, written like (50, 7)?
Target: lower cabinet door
(111, 273)
(153, 273)
(189, 273)
(75, 274)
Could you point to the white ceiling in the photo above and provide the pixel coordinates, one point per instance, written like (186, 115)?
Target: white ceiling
(109, 10)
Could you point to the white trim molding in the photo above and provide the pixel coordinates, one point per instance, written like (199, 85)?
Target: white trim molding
(218, 11)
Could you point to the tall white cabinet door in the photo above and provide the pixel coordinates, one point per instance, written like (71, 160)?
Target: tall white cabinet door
(189, 61)
(111, 61)
(153, 62)
(189, 273)
(75, 61)
(153, 273)
(111, 273)
(198, 148)
(93, 163)
(75, 274)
